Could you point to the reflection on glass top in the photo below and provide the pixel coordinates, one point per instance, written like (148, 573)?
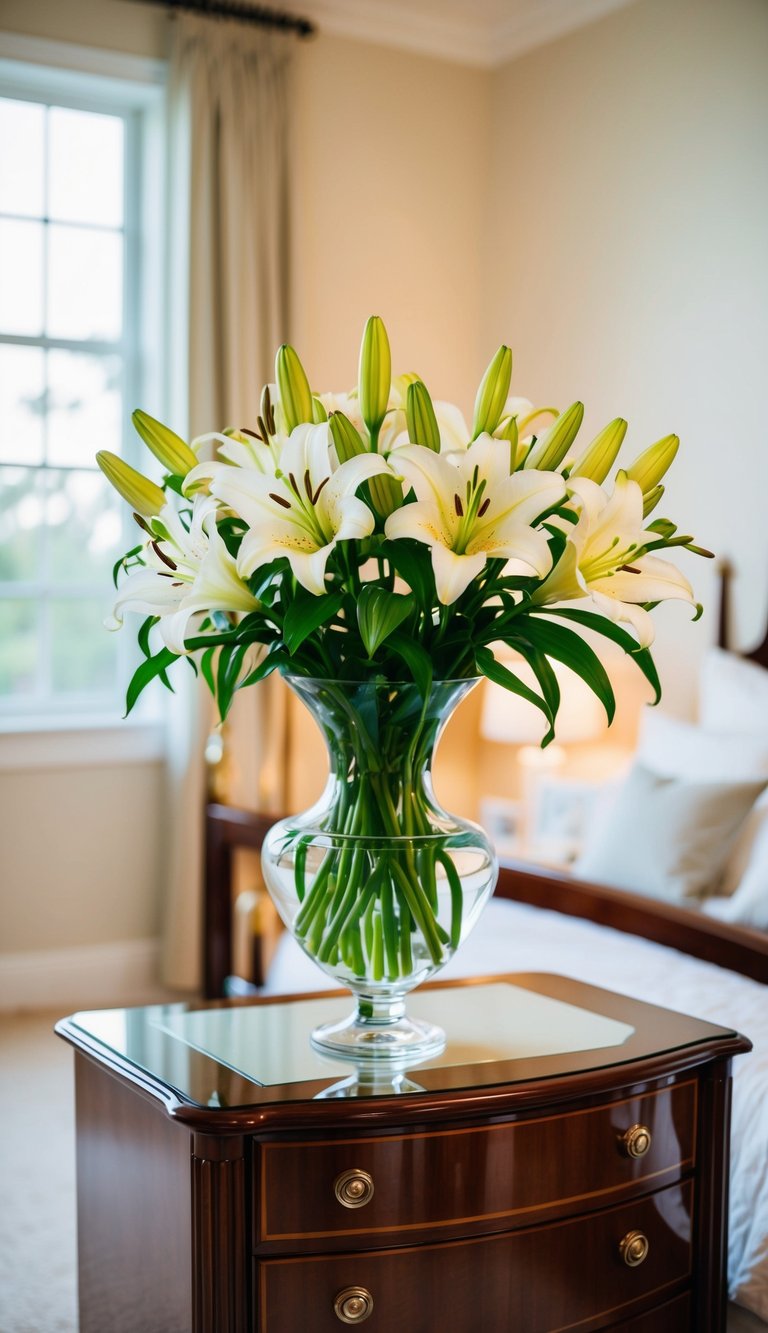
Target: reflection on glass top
(224, 1056)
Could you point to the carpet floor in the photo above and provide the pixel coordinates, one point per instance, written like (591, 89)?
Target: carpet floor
(38, 1251)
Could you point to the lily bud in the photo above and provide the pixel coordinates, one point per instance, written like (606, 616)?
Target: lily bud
(165, 444)
(492, 394)
(651, 499)
(346, 439)
(508, 430)
(141, 493)
(420, 417)
(649, 468)
(401, 382)
(551, 448)
(597, 461)
(319, 414)
(375, 374)
(295, 393)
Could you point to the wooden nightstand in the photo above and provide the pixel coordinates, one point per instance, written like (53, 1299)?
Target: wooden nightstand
(562, 1165)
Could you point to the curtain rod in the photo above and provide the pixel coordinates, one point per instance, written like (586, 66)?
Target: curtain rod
(243, 12)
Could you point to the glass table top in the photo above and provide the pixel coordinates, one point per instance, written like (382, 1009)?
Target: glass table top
(237, 1054)
(502, 1031)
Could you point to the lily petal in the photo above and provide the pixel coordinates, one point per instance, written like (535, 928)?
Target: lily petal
(454, 573)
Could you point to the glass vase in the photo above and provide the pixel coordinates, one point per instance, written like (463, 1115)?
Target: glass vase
(376, 882)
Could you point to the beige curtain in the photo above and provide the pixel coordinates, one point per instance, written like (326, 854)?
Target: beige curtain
(228, 271)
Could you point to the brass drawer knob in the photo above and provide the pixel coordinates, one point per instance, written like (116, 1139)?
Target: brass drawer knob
(353, 1305)
(353, 1188)
(634, 1249)
(636, 1141)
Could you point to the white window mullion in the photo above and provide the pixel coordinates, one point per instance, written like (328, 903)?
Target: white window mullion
(45, 587)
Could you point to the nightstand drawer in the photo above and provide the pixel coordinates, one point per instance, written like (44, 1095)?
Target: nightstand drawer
(485, 1178)
(586, 1272)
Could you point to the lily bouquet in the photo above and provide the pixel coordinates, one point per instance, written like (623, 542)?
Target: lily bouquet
(370, 546)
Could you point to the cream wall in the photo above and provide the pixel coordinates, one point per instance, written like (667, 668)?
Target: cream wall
(627, 263)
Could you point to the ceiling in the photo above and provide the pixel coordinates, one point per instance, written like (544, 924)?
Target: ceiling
(474, 32)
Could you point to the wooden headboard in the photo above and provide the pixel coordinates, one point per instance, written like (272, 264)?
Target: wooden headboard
(735, 947)
(758, 654)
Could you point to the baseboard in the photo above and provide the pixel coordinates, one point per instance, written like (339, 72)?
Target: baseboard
(87, 977)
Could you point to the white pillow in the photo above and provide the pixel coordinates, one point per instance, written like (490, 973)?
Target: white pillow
(748, 906)
(667, 837)
(678, 749)
(733, 694)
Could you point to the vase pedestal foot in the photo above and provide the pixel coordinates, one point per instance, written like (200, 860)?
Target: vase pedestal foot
(380, 1032)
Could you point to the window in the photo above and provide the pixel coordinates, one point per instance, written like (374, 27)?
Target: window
(71, 255)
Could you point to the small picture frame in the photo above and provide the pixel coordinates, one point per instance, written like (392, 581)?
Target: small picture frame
(502, 820)
(561, 810)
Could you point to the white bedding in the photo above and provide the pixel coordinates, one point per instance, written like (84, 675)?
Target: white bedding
(512, 937)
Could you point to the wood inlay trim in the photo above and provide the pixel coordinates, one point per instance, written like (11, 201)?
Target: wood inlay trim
(676, 1173)
(675, 1170)
(273, 1144)
(676, 1286)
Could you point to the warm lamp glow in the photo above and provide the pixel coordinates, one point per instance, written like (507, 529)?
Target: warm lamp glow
(508, 718)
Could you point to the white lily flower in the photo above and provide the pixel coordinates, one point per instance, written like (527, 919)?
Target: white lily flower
(238, 450)
(302, 512)
(188, 572)
(469, 508)
(601, 559)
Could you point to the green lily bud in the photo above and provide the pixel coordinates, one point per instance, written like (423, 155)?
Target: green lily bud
(420, 417)
(165, 444)
(508, 430)
(346, 439)
(650, 466)
(141, 493)
(401, 382)
(319, 414)
(597, 461)
(493, 393)
(551, 448)
(375, 375)
(295, 393)
(651, 499)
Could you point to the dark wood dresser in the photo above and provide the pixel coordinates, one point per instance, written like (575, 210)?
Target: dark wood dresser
(563, 1165)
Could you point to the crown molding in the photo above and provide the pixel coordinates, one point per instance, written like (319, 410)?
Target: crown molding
(467, 41)
(541, 21)
(385, 24)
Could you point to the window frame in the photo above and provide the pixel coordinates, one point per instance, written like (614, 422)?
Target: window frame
(88, 79)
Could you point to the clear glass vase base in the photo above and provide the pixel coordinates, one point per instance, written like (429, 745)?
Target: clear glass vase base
(398, 1042)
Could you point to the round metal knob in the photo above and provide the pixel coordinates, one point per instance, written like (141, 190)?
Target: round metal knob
(634, 1249)
(353, 1188)
(636, 1141)
(353, 1305)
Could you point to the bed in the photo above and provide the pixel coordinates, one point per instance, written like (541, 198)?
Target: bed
(695, 961)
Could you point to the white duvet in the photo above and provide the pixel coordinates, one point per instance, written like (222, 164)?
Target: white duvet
(512, 937)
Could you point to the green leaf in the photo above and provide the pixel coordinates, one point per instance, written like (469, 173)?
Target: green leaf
(231, 659)
(379, 612)
(500, 675)
(206, 666)
(416, 658)
(143, 634)
(413, 562)
(154, 666)
(610, 630)
(306, 614)
(570, 649)
(272, 662)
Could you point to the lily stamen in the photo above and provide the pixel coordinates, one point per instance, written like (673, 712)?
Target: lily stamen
(280, 500)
